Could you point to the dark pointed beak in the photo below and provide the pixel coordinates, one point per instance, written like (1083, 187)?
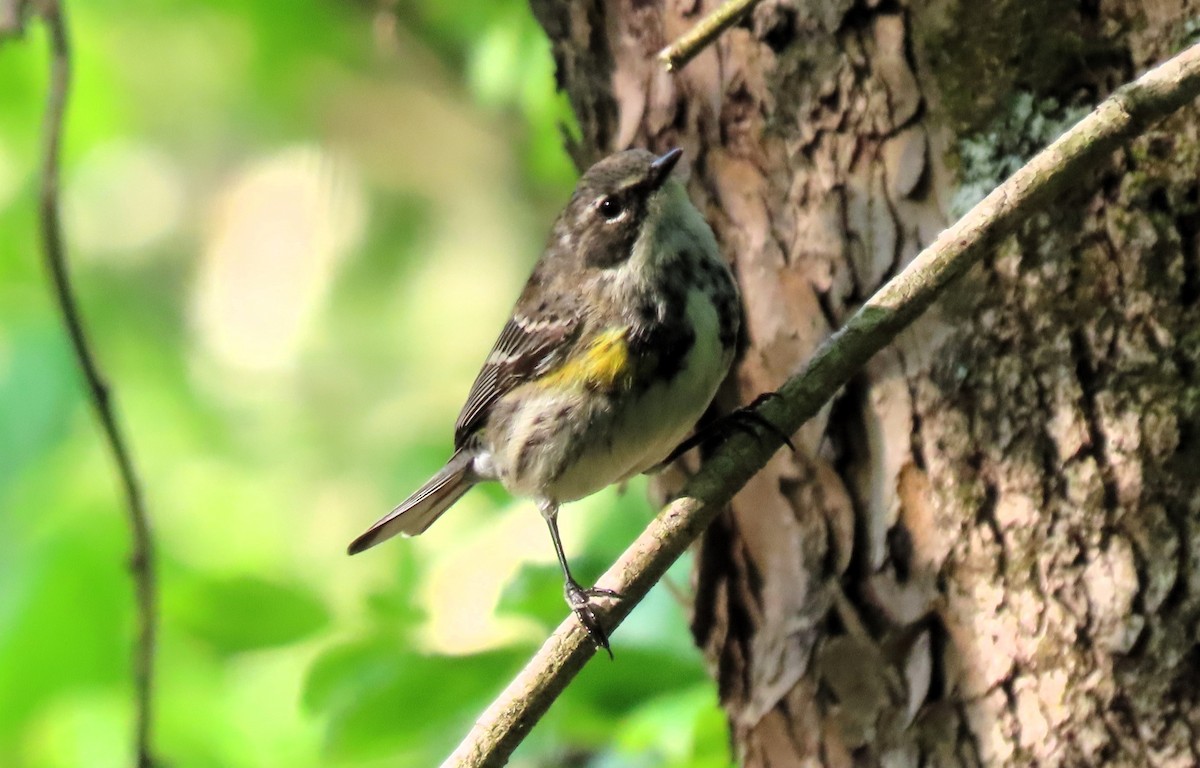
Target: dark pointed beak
(660, 169)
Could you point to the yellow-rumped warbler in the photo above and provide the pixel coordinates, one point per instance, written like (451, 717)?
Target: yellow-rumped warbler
(615, 348)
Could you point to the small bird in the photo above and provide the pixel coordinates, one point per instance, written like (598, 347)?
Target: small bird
(615, 348)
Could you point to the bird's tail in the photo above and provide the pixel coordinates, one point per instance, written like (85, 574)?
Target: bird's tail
(427, 503)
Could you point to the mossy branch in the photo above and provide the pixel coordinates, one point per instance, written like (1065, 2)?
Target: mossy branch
(1120, 118)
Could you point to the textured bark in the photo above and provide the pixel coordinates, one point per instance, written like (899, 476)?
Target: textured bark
(988, 549)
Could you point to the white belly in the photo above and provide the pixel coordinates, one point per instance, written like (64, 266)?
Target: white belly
(644, 429)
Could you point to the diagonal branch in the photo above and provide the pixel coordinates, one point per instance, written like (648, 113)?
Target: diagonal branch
(1123, 116)
(708, 29)
(141, 560)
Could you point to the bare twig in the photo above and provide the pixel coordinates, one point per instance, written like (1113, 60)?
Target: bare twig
(1121, 117)
(12, 18)
(141, 561)
(683, 50)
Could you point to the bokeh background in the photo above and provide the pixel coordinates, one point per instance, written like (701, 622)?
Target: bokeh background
(295, 230)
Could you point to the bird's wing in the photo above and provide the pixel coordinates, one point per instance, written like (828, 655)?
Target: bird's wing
(527, 348)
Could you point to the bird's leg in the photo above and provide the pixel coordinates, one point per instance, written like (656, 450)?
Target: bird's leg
(578, 598)
(745, 419)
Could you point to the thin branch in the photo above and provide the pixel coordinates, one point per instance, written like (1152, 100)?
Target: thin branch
(141, 561)
(1121, 117)
(708, 29)
(12, 18)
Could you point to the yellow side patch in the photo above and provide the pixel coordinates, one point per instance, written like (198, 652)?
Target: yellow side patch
(600, 366)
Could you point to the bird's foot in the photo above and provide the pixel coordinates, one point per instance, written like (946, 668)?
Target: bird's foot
(746, 419)
(580, 601)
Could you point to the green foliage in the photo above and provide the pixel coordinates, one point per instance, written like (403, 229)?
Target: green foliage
(536, 593)
(380, 698)
(64, 610)
(505, 58)
(35, 371)
(245, 613)
(294, 235)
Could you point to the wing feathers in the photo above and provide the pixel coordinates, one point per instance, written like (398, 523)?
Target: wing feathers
(526, 349)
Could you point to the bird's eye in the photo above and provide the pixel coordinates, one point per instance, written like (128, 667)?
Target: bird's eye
(610, 208)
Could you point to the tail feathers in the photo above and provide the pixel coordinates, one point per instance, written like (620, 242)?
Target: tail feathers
(425, 505)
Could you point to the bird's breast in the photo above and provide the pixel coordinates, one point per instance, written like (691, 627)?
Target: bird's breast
(637, 430)
(622, 404)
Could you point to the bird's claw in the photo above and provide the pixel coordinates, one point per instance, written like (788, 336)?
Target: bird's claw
(580, 601)
(745, 419)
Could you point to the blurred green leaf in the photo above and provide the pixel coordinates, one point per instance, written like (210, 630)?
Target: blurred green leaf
(245, 613)
(711, 740)
(396, 608)
(635, 676)
(536, 593)
(39, 389)
(672, 726)
(639, 690)
(63, 604)
(380, 698)
(505, 59)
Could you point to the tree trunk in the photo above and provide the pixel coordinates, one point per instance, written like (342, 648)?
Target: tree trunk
(987, 550)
